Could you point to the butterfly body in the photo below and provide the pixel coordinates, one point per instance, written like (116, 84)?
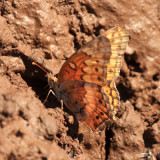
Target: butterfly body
(86, 81)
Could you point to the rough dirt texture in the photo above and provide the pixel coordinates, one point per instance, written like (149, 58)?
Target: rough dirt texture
(31, 130)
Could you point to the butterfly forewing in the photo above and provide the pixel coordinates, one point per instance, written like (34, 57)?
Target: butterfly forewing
(97, 61)
(119, 38)
(89, 63)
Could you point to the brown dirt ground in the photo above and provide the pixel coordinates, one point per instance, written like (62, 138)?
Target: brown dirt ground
(30, 130)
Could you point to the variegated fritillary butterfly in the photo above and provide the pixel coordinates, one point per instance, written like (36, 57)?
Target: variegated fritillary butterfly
(86, 81)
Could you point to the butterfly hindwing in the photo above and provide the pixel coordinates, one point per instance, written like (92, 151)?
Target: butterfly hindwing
(111, 91)
(87, 102)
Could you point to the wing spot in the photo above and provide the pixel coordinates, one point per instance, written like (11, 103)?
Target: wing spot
(101, 113)
(76, 102)
(81, 77)
(99, 78)
(82, 69)
(72, 65)
(97, 117)
(67, 71)
(100, 101)
(96, 69)
(81, 111)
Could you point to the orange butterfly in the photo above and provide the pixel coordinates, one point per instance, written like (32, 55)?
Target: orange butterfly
(86, 81)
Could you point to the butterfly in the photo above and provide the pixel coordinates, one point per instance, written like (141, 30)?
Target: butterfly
(86, 81)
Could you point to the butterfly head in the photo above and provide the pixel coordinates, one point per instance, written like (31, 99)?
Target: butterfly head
(52, 82)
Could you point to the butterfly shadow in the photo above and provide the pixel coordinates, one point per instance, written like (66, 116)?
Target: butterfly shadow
(109, 135)
(39, 84)
(73, 126)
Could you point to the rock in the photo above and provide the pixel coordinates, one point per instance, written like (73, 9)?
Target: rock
(29, 30)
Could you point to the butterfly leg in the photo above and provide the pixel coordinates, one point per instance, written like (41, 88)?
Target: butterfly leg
(61, 104)
(50, 91)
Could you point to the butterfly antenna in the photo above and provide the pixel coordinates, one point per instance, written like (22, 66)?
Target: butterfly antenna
(33, 63)
(53, 56)
(51, 53)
